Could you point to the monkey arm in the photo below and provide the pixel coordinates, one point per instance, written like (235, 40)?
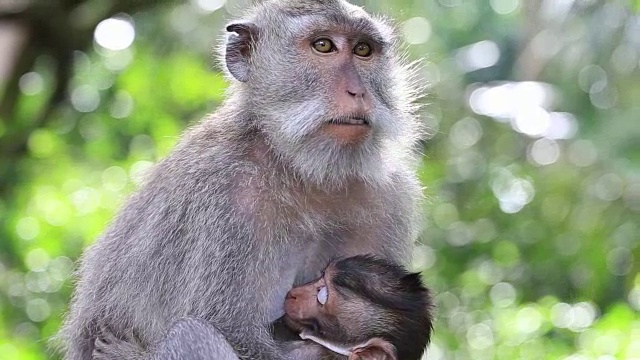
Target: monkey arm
(180, 247)
(193, 339)
(188, 339)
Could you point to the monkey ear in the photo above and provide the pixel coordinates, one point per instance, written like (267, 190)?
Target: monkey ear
(239, 47)
(374, 349)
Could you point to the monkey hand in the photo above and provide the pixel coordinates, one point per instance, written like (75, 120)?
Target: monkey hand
(109, 347)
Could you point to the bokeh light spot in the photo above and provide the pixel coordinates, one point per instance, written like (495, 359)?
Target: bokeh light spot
(512, 192)
(489, 272)
(27, 228)
(85, 98)
(41, 143)
(114, 178)
(31, 83)
(38, 310)
(583, 316)
(505, 7)
(117, 61)
(60, 268)
(480, 336)
(469, 165)
(592, 78)
(634, 298)
(632, 196)
(209, 6)
(562, 125)
(465, 133)
(609, 187)
(459, 234)
(86, 200)
(416, 30)
(423, 258)
(528, 320)
(122, 105)
(444, 215)
(544, 152)
(480, 55)
(533, 121)
(509, 100)
(115, 34)
(506, 254)
(561, 315)
(502, 294)
(37, 259)
(624, 59)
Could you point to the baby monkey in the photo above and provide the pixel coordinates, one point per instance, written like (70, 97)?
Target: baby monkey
(363, 307)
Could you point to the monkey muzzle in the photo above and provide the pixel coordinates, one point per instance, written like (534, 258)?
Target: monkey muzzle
(348, 130)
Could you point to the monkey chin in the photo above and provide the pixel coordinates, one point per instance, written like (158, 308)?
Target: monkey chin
(347, 134)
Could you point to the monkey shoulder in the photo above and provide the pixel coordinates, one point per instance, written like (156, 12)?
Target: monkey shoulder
(187, 194)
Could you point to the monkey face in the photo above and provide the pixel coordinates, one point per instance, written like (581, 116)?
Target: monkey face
(303, 305)
(320, 309)
(337, 59)
(312, 307)
(326, 87)
(300, 303)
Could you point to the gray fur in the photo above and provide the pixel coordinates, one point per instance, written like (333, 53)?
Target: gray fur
(246, 206)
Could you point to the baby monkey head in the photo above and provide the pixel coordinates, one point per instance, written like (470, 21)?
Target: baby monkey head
(366, 303)
(323, 81)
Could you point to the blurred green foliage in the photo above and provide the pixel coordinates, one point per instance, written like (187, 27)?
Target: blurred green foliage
(531, 169)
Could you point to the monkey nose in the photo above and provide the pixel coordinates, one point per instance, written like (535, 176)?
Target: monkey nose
(358, 101)
(290, 296)
(356, 93)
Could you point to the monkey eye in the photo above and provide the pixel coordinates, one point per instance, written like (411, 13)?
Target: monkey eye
(362, 49)
(324, 46)
(323, 295)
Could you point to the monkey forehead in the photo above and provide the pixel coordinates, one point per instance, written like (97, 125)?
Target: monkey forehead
(304, 18)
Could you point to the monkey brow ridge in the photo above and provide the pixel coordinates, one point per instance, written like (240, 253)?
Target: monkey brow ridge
(315, 15)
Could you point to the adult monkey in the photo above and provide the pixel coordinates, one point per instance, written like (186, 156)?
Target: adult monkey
(310, 157)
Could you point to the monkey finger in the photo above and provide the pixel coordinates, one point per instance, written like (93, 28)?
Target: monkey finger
(103, 329)
(133, 337)
(101, 346)
(99, 355)
(105, 340)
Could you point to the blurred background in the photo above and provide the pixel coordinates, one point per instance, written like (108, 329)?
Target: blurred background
(531, 167)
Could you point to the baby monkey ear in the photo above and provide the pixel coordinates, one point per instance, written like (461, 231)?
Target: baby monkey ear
(374, 349)
(240, 46)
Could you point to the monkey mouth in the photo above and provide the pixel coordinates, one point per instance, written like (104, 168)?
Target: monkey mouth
(310, 324)
(350, 121)
(348, 130)
(298, 325)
